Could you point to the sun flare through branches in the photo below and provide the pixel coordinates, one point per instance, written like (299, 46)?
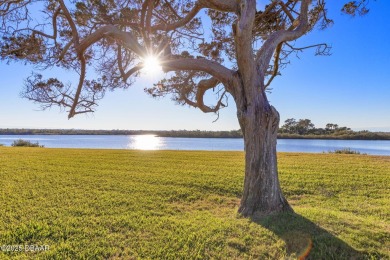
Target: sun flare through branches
(151, 66)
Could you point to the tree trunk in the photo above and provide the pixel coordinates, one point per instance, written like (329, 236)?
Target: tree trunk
(262, 194)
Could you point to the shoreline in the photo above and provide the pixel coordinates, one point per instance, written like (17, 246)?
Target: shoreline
(376, 137)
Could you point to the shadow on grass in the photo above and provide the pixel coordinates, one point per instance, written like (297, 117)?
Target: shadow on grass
(305, 240)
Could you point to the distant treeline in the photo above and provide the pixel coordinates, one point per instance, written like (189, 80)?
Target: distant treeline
(292, 129)
(359, 135)
(171, 133)
(305, 129)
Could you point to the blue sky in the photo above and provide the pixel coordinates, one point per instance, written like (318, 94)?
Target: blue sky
(350, 88)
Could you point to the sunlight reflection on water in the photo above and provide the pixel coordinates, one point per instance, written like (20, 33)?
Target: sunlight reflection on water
(152, 142)
(144, 142)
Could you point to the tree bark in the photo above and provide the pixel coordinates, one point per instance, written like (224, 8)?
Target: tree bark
(262, 193)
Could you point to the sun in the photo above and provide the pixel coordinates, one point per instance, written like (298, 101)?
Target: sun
(151, 66)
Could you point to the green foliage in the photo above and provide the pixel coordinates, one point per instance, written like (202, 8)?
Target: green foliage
(301, 127)
(117, 204)
(356, 8)
(22, 47)
(25, 143)
(304, 128)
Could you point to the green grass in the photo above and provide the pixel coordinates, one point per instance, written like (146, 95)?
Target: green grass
(117, 204)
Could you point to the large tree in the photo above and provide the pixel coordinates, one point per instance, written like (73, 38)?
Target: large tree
(232, 47)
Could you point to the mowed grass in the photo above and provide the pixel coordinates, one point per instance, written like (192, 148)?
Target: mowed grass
(118, 204)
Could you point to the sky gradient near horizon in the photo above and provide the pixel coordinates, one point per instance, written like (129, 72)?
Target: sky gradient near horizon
(350, 88)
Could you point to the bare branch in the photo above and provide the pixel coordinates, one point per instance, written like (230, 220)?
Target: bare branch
(275, 70)
(5, 6)
(132, 71)
(53, 92)
(219, 5)
(321, 48)
(173, 26)
(64, 50)
(72, 111)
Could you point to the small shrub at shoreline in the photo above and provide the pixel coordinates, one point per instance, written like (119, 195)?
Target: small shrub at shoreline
(25, 143)
(346, 151)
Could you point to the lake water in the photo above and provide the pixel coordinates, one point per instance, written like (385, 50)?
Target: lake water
(150, 142)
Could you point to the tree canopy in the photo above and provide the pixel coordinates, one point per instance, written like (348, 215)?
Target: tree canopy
(198, 42)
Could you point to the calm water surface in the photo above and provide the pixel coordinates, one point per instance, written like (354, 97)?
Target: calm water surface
(150, 142)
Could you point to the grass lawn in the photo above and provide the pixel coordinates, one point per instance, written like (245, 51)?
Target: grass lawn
(118, 204)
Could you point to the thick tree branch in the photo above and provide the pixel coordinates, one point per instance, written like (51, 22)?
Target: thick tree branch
(127, 39)
(286, 11)
(244, 52)
(218, 71)
(243, 31)
(221, 5)
(120, 61)
(146, 20)
(72, 25)
(64, 50)
(202, 87)
(265, 53)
